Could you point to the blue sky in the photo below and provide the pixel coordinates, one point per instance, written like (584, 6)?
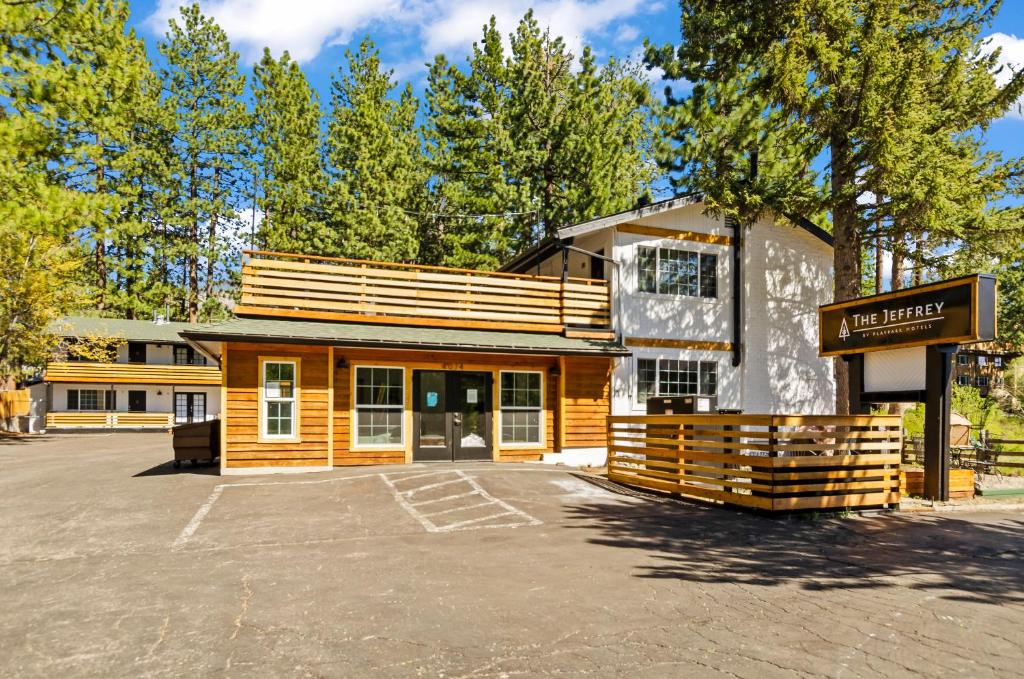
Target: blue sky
(410, 32)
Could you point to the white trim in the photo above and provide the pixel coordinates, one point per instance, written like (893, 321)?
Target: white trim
(246, 471)
(355, 445)
(265, 402)
(629, 216)
(541, 430)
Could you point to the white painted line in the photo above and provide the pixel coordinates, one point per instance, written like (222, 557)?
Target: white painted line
(442, 499)
(424, 521)
(419, 476)
(192, 526)
(459, 509)
(458, 524)
(413, 491)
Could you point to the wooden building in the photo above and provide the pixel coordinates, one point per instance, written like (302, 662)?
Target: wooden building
(982, 365)
(333, 362)
(154, 380)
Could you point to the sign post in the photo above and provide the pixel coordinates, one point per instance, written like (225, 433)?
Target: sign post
(939, 316)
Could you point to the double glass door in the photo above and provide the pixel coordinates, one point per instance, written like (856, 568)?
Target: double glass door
(189, 407)
(452, 418)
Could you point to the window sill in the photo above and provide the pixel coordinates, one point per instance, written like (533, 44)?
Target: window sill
(522, 446)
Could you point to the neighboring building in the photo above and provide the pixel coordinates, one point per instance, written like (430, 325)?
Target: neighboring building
(341, 362)
(705, 307)
(982, 365)
(156, 381)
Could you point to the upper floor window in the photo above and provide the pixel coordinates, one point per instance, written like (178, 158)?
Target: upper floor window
(671, 377)
(136, 352)
(668, 271)
(963, 359)
(997, 361)
(188, 356)
(983, 360)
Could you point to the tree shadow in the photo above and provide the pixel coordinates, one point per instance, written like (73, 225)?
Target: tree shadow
(953, 557)
(10, 439)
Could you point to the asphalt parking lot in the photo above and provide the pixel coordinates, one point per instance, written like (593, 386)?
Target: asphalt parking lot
(113, 564)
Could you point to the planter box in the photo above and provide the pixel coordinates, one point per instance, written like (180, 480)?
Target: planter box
(961, 483)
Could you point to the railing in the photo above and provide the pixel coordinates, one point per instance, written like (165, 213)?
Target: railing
(132, 373)
(101, 419)
(766, 462)
(328, 288)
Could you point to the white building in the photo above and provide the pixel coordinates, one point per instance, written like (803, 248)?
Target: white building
(706, 308)
(156, 380)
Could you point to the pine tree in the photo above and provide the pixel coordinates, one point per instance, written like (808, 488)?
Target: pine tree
(374, 153)
(832, 87)
(204, 90)
(291, 172)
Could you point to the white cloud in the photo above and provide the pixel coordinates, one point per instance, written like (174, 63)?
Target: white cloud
(305, 27)
(1011, 58)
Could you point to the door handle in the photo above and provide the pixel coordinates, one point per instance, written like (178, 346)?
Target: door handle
(457, 419)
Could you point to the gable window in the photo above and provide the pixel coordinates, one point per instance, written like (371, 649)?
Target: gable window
(668, 271)
(521, 407)
(380, 406)
(92, 399)
(671, 377)
(279, 384)
(188, 356)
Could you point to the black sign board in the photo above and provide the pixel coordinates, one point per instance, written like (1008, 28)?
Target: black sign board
(957, 311)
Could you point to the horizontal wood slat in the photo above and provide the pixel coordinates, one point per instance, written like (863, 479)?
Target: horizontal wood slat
(374, 292)
(132, 373)
(767, 462)
(108, 420)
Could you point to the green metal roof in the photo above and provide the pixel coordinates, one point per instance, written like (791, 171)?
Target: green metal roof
(376, 336)
(134, 331)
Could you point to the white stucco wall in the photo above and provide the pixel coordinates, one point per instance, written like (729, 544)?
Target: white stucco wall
(159, 398)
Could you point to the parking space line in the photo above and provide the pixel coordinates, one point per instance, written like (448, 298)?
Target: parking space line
(442, 499)
(458, 509)
(413, 491)
(459, 524)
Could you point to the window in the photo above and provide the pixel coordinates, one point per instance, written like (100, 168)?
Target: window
(91, 399)
(278, 389)
(188, 356)
(668, 271)
(963, 359)
(671, 377)
(963, 380)
(983, 360)
(521, 407)
(997, 361)
(380, 405)
(981, 382)
(189, 407)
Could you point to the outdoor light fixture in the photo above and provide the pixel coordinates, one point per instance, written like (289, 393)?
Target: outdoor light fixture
(340, 363)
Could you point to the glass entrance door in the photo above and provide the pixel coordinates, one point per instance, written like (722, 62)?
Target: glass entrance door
(452, 417)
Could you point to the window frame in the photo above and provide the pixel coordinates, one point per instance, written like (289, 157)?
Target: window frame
(106, 399)
(295, 400)
(192, 357)
(700, 284)
(963, 380)
(354, 412)
(542, 415)
(701, 363)
(982, 382)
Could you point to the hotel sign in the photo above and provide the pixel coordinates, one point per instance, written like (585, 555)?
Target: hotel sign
(957, 311)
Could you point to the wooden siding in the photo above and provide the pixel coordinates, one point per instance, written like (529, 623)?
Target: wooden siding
(132, 373)
(767, 462)
(14, 403)
(243, 449)
(326, 288)
(587, 401)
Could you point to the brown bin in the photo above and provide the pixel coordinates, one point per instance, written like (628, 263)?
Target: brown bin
(196, 441)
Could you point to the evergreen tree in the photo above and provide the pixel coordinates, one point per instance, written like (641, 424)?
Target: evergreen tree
(204, 90)
(832, 86)
(292, 178)
(374, 153)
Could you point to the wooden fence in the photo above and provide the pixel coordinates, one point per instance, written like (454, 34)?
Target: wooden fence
(14, 403)
(104, 419)
(766, 462)
(85, 372)
(330, 288)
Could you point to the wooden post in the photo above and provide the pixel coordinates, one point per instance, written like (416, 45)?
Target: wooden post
(330, 406)
(939, 389)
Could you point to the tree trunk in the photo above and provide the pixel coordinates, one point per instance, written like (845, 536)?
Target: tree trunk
(897, 269)
(919, 259)
(211, 253)
(879, 262)
(846, 252)
(101, 241)
(192, 261)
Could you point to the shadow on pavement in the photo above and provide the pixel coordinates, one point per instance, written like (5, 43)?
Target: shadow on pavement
(167, 468)
(971, 560)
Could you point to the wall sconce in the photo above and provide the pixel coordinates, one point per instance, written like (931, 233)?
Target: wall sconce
(159, 393)
(554, 371)
(340, 363)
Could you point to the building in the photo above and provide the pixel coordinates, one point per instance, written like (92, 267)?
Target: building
(334, 362)
(982, 365)
(155, 380)
(705, 307)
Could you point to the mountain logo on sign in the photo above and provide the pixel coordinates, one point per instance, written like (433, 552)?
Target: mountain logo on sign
(844, 331)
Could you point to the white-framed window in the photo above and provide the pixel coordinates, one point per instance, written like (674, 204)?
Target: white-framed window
(997, 361)
(963, 359)
(184, 355)
(522, 407)
(672, 377)
(983, 360)
(963, 380)
(279, 386)
(91, 399)
(982, 381)
(669, 271)
(380, 406)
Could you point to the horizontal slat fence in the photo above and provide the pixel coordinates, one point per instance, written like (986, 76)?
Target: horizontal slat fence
(14, 403)
(132, 373)
(329, 288)
(108, 420)
(766, 462)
